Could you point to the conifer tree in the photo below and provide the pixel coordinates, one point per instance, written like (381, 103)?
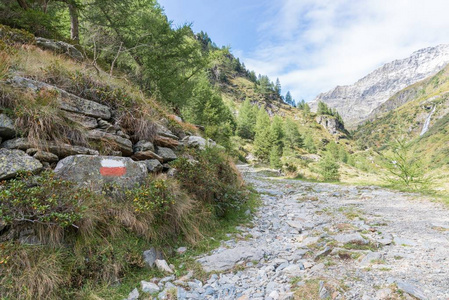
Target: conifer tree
(246, 120)
(277, 87)
(329, 167)
(275, 157)
(292, 137)
(309, 144)
(262, 143)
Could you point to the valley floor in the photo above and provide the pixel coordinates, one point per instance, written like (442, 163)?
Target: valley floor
(327, 241)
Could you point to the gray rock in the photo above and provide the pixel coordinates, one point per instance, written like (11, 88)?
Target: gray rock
(82, 120)
(7, 129)
(181, 250)
(411, 289)
(167, 154)
(149, 287)
(227, 259)
(354, 238)
(323, 291)
(121, 144)
(181, 293)
(367, 260)
(293, 270)
(295, 224)
(44, 156)
(198, 142)
(97, 171)
(143, 146)
(14, 161)
(134, 295)
(67, 101)
(150, 257)
(153, 165)
(323, 253)
(61, 150)
(165, 132)
(147, 155)
(402, 241)
(59, 47)
(384, 294)
(162, 266)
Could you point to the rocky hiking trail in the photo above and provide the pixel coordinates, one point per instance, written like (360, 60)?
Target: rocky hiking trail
(327, 241)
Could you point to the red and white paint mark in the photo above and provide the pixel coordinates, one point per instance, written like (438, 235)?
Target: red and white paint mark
(114, 168)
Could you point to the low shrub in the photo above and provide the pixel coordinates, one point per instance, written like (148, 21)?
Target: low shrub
(42, 200)
(212, 180)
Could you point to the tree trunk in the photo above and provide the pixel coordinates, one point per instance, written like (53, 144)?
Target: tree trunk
(23, 4)
(74, 23)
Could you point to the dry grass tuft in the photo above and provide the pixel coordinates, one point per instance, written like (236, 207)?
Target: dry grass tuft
(40, 119)
(5, 63)
(30, 273)
(138, 124)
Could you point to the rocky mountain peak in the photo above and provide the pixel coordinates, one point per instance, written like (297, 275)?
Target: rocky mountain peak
(356, 102)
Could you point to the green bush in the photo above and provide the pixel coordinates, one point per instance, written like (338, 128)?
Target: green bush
(43, 200)
(154, 197)
(212, 180)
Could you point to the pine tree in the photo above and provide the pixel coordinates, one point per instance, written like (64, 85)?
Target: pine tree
(275, 157)
(277, 88)
(246, 120)
(329, 167)
(292, 137)
(288, 98)
(262, 144)
(306, 109)
(309, 144)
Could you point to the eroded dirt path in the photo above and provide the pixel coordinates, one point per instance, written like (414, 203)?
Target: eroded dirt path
(332, 242)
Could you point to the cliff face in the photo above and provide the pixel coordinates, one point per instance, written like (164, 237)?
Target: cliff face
(356, 102)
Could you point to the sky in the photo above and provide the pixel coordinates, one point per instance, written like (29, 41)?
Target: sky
(315, 45)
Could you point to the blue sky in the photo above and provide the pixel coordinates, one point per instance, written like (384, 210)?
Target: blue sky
(314, 45)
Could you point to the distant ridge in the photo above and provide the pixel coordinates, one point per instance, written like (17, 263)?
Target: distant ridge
(356, 102)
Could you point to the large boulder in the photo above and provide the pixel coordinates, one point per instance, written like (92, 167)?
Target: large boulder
(7, 130)
(97, 171)
(67, 101)
(59, 149)
(194, 141)
(59, 47)
(14, 161)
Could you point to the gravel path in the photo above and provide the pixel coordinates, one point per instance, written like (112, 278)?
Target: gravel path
(326, 241)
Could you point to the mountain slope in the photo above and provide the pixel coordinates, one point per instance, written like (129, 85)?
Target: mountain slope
(418, 114)
(356, 102)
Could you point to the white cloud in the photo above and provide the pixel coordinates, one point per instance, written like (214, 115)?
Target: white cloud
(314, 45)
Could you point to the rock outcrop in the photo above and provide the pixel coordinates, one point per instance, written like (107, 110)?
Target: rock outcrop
(356, 102)
(14, 161)
(6, 127)
(331, 124)
(97, 171)
(59, 47)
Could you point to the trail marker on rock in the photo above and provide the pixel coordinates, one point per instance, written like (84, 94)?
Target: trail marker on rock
(112, 168)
